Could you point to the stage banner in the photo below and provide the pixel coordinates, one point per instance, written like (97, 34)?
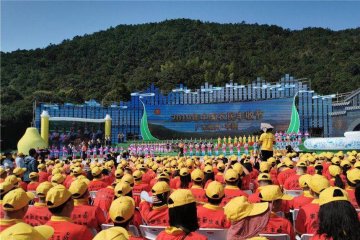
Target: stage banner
(218, 119)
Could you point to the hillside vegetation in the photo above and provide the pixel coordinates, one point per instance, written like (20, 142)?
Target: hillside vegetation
(108, 65)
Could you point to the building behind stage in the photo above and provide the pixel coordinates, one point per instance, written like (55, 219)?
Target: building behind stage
(229, 110)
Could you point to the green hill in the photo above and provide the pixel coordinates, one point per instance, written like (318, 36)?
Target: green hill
(108, 65)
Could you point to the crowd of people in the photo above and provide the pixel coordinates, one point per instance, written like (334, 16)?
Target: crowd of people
(245, 196)
(95, 147)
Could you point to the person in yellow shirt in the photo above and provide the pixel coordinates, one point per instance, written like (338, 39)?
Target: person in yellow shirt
(266, 141)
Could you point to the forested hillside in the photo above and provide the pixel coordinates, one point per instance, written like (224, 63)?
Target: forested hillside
(109, 64)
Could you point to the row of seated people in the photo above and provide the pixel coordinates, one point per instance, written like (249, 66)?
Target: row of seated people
(211, 195)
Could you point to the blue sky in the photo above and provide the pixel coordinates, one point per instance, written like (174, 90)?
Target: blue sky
(36, 24)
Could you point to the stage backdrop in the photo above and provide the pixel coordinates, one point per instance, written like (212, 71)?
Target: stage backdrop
(219, 119)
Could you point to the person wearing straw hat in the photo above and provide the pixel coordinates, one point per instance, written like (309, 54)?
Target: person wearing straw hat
(182, 218)
(337, 217)
(247, 219)
(122, 212)
(83, 213)
(156, 214)
(24, 231)
(266, 141)
(307, 219)
(39, 214)
(274, 196)
(60, 203)
(15, 204)
(211, 215)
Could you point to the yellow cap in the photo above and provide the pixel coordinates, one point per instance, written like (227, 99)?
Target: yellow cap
(96, 171)
(122, 188)
(58, 178)
(16, 199)
(160, 187)
(78, 188)
(273, 192)
(280, 165)
(18, 171)
(23, 231)
(164, 175)
(184, 171)
(180, 197)
(318, 183)
(197, 175)
(77, 171)
(357, 165)
(353, 175)
(113, 233)
(335, 160)
(83, 178)
(33, 175)
(57, 196)
(41, 166)
(334, 170)
(264, 166)
(345, 163)
(271, 160)
(6, 187)
(55, 171)
(208, 169)
(288, 162)
(332, 194)
(12, 179)
(155, 167)
(215, 190)
(238, 168)
(43, 188)
(231, 175)
(304, 180)
(128, 178)
(220, 166)
(301, 164)
(2, 170)
(264, 177)
(137, 175)
(351, 159)
(189, 163)
(119, 173)
(317, 163)
(122, 209)
(239, 208)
